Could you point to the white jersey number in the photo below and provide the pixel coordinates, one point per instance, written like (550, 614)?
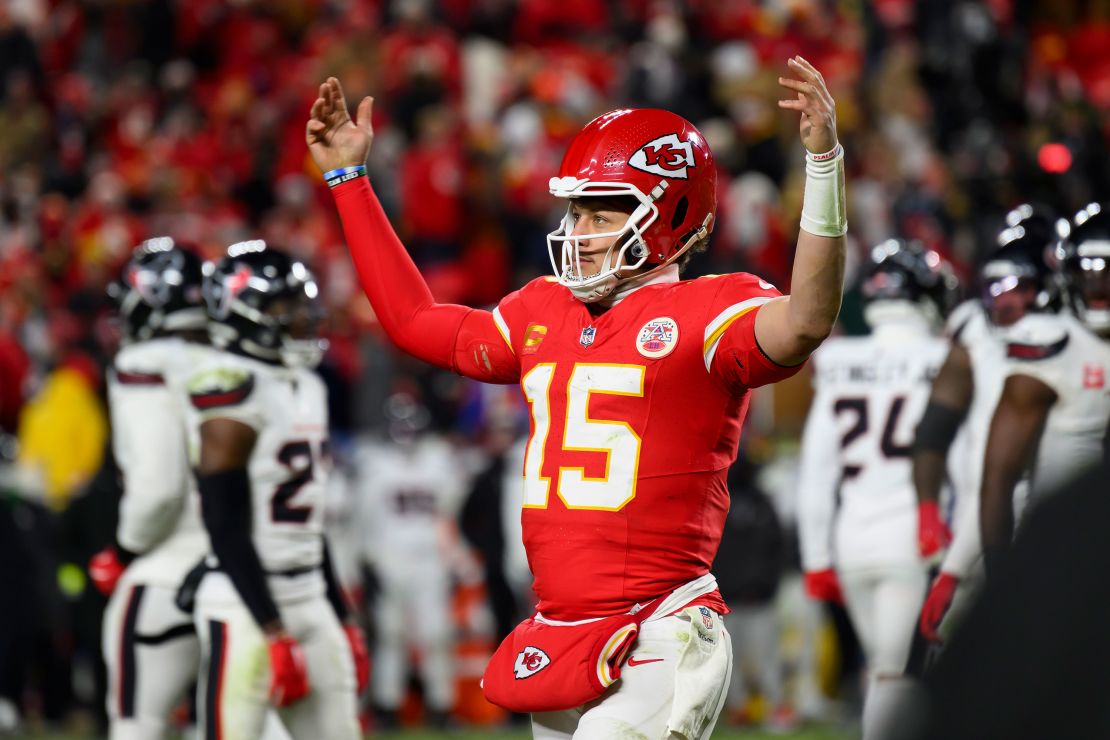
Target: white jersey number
(615, 439)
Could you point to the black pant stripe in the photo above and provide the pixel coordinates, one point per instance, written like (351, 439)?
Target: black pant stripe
(217, 635)
(127, 667)
(173, 633)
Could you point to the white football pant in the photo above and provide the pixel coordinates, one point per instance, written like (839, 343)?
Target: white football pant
(152, 654)
(673, 684)
(233, 692)
(884, 603)
(414, 610)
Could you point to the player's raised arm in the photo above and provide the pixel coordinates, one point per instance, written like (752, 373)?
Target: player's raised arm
(790, 328)
(454, 337)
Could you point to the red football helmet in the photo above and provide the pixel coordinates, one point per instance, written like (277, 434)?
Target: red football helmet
(657, 157)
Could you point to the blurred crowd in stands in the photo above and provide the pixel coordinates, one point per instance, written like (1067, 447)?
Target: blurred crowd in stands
(125, 119)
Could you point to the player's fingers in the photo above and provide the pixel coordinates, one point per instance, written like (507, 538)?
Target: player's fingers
(793, 104)
(337, 92)
(800, 69)
(326, 94)
(363, 116)
(805, 88)
(812, 76)
(316, 128)
(802, 65)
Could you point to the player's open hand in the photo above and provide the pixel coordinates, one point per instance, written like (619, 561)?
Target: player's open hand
(818, 109)
(333, 138)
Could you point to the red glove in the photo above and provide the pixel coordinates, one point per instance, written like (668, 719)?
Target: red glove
(932, 533)
(937, 603)
(288, 674)
(361, 655)
(105, 570)
(823, 585)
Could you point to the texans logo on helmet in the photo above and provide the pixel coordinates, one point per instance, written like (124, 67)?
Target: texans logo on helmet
(667, 156)
(143, 282)
(234, 285)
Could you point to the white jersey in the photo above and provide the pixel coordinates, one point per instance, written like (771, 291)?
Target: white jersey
(970, 327)
(410, 499)
(986, 347)
(289, 465)
(870, 394)
(159, 515)
(1069, 358)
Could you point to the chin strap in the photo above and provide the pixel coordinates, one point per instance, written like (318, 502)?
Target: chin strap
(623, 286)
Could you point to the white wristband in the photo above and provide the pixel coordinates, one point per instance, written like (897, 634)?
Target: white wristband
(823, 207)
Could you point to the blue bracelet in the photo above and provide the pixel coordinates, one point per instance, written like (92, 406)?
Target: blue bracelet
(341, 175)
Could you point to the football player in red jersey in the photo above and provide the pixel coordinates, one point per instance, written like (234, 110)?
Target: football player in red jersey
(638, 383)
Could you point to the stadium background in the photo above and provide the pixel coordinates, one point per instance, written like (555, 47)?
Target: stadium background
(124, 119)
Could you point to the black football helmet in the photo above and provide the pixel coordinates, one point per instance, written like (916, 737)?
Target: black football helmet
(158, 291)
(1084, 260)
(1018, 275)
(908, 274)
(264, 304)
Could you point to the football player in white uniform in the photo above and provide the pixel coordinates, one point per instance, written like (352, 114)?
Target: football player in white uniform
(870, 394)
(258, 419)
(1051, 418)
(150, 648)
(1015, 280)
(411, 489)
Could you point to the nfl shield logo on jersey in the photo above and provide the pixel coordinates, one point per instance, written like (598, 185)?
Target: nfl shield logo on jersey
(587, 336)
(530, 661)
(657, 338)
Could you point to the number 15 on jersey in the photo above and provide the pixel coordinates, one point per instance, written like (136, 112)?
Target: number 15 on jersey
(613, 438)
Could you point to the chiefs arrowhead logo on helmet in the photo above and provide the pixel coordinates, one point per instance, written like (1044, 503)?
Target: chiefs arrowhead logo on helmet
(530, 661)
(667, 156)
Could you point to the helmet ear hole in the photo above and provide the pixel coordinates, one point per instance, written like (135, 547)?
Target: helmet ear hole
(680, 212)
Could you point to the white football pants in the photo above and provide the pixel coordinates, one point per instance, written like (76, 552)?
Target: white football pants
(152, 655)
(414, 610)
(673, 685)
(884, 603)
(233, 693)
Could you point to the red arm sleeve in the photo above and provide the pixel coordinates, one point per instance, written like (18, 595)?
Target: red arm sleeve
(457, 338)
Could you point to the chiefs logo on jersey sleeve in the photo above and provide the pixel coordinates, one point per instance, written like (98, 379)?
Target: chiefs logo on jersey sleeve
(667, 156)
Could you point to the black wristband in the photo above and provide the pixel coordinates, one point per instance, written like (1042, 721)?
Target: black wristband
(225, 500)
(938, 427)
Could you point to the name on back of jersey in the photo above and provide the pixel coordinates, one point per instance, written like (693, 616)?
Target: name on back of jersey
(839, 372)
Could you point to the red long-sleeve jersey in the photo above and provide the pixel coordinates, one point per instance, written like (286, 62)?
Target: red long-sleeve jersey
(636, 413)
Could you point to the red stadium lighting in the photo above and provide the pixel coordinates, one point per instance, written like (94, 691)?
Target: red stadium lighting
(1054, 158)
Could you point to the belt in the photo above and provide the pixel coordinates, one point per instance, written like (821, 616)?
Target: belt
(293, 572)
